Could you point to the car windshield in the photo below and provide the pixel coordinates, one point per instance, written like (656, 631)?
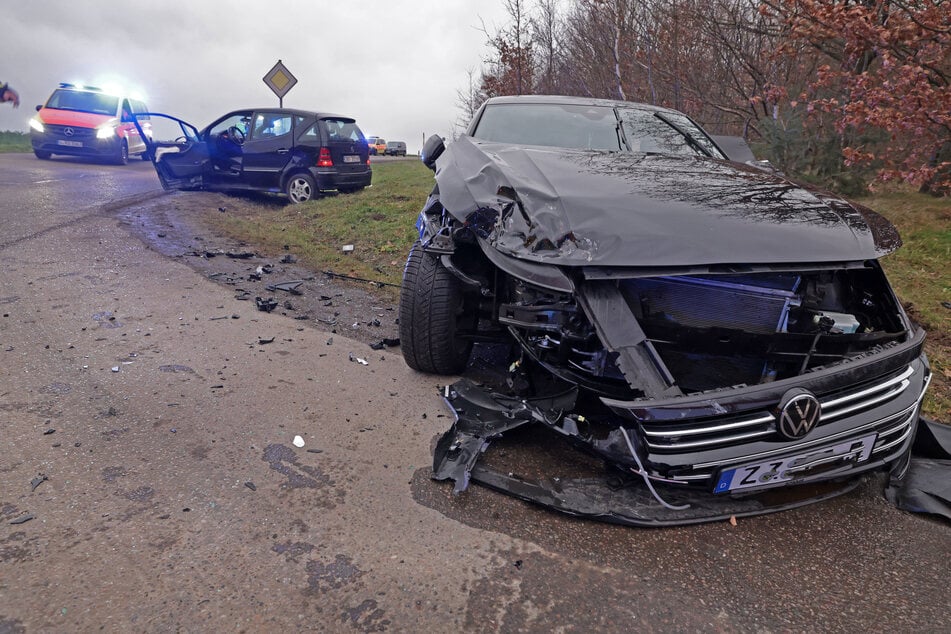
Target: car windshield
(593, 127)
(554, 125)
(94, 102)
(664, 133)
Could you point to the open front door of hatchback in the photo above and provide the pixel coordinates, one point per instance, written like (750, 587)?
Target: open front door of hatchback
(176, 149)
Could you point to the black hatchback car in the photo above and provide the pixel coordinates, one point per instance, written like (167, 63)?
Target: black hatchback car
(708, 328)
(292, 152)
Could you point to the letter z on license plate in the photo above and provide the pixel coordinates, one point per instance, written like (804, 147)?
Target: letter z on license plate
(781, 470)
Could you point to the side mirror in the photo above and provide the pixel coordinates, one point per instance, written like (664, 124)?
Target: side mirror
(432, 150)
(39, 107)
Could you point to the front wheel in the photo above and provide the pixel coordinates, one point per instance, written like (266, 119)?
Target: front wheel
(122, 158)
(300, 188)
(43, 156)
(432, 314)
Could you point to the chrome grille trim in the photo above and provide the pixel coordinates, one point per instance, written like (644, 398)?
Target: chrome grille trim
(682, 437)
(712, 429)
(714, 441)
(912, 409)
(898, 440)
(877, 393)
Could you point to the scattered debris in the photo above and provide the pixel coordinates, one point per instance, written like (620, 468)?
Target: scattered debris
(115, 368)
(946, 305)
(251, 486)
(357, 359)
(49, 431)
(315, 451)
(518, 564)
(290, 286)
(288, 259)
(37, 481)
(341, 276)
(239, 255)
(298, 441)
(386, 342)
(330, 341)
(242, 295)
(266, 305)
(263, 341)
(347, 248)
(23, 519)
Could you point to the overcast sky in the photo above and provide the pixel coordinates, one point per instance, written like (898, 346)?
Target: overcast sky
(394, 65)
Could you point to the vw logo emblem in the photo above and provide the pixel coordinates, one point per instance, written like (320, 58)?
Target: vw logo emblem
(799, 413)
(68, 132)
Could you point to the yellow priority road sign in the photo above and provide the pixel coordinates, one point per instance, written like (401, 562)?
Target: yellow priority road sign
(280, 80)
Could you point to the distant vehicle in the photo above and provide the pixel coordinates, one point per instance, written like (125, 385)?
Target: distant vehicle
(86, 121)
(395, 148)
(292, 152)
(377, 145)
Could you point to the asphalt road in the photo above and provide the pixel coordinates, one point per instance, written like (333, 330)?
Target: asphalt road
(163, 421)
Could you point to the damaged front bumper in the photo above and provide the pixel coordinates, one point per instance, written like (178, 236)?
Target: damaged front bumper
(657, 469)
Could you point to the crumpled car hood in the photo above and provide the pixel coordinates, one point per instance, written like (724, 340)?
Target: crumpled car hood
(576, 207)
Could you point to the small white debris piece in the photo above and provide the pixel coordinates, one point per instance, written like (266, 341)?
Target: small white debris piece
(115, 368)
(298, 441)
(362, 361)
(347, 248)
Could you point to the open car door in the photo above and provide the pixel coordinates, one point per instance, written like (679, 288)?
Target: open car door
(176, 149)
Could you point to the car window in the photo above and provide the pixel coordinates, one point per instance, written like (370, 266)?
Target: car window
(664, 133)
(342, 130)
(269, 125)
(94, 102)
(555, 125)
(138, 107)
(239, 121)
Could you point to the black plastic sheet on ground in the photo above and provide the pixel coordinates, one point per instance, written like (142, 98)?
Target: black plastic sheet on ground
(926, 485)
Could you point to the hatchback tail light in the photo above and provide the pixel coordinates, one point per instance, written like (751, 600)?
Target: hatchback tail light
(324, 160)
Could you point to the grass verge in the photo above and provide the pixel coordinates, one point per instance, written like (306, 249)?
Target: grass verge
(15, 142)
(379, 221)
(921, 274)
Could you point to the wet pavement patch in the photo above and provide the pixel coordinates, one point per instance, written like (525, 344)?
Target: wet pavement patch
(111, 474)
(292, 551)
(367, 617)
(142, 494)
(340, 572)
(283, 459)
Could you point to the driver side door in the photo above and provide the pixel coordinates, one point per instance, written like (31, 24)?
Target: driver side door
(175, 147)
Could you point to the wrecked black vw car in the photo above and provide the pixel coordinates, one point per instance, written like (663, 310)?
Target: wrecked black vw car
(712, 332)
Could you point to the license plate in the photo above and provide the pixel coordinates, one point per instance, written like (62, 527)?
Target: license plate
(781, 470)
(70, 143)
(351, 158)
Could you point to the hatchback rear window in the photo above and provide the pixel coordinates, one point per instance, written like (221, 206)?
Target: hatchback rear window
(342, 130)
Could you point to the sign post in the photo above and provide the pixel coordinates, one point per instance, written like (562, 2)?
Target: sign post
(280, 81)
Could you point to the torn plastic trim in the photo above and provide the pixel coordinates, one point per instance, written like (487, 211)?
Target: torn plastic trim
(480, 417)
(605, 499)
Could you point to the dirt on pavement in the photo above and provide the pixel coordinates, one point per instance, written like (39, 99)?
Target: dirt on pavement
(177, 226)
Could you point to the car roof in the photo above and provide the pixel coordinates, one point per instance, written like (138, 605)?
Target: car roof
(302, 113)
(576, 101)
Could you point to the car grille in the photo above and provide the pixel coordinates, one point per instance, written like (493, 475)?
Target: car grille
(725, 431)
(78, 133)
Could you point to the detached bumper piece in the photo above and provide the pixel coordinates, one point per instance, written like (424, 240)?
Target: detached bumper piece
(606, 494)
